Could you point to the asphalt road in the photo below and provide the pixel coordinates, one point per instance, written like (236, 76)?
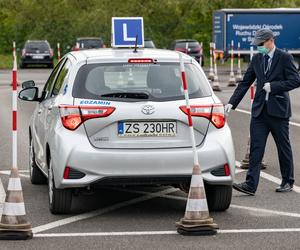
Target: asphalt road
(144, 218)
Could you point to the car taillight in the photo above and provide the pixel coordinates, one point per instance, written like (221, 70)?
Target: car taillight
(73, 116)
(214, 113)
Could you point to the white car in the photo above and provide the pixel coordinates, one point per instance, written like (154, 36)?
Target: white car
(116, 117)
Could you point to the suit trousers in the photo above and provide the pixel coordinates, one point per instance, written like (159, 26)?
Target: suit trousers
(260, 128)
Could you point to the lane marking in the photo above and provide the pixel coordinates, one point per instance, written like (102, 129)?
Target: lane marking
(98, 212)
(142, 233)
(268, 177)
(7, 172)
(249, 113)
(253, 209)
(2, 197)
(269, 211)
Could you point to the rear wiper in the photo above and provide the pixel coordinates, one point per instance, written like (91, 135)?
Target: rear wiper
(131, 95)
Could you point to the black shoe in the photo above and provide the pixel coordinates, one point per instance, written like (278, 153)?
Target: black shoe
(244, 188)
(287, 187)
(245, 165)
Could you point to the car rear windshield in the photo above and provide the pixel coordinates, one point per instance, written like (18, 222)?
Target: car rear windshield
(190, 45)
(91, 43)
(37, 46)
(134, 82)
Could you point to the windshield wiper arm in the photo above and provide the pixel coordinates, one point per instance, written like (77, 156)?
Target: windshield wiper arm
(131, 95)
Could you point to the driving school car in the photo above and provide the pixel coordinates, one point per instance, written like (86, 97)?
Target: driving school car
(115, 117)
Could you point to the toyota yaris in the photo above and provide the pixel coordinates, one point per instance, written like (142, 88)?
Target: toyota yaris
(116, 117)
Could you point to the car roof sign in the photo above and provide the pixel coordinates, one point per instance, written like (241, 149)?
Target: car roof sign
(127, 32)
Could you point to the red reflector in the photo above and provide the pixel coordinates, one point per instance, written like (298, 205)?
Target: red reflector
(66, 173)
(227, 170)
(140, 60)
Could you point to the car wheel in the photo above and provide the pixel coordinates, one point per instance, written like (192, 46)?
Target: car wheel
(36, 175)
(60, 200)
(218, 197)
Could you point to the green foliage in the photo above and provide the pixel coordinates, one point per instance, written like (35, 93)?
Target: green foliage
(64, 20)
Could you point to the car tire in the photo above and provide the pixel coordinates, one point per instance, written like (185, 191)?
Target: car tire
(218, 197)
(60, 200)
(36, 175)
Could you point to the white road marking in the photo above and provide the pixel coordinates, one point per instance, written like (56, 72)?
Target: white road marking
(253, 209)
(142, 233)
(249, 113)
(2, 197)
(98, 212)
(7, 172)
(267, 177)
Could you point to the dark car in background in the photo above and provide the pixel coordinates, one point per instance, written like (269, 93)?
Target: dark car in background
(190, 47)
(148, 43)
(88, 43)
(37, 52)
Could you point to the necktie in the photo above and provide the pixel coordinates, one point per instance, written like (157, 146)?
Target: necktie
(266, 63)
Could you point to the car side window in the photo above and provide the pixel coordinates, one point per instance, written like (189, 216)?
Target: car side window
(61, 77)
(49, 84)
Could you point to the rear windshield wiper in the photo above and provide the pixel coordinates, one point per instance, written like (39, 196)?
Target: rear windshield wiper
(131, 95)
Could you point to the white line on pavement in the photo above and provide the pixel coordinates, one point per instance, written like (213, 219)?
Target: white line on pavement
(100, 211)
(142, 233)
(269, 211)
(267, 177)
(2, 197)
(249, 113)
(7, 172)
(254, 209)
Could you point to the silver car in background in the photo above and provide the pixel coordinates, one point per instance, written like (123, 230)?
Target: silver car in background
(115, 117)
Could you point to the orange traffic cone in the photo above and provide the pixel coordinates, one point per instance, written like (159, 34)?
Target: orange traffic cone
(14, 225)
(196, 220)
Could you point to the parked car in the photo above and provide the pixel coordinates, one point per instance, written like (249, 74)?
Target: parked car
(37, 52)
(190, 47)
(148, 43)
(83, 43)
(115, 117)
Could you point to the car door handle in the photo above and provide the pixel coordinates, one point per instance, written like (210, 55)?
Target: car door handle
(40, 111)
(50, 107)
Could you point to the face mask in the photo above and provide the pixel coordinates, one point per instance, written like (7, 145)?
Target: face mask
(262, 49)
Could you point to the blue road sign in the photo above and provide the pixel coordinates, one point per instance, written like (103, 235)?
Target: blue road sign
(125, 31)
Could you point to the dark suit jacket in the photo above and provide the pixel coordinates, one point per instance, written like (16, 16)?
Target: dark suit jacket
(283, 77)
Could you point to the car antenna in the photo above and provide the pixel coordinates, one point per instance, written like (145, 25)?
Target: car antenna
(135, 46)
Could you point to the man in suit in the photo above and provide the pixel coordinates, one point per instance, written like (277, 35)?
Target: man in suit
(276, 75)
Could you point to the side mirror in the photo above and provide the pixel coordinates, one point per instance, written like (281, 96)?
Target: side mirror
(28, 84)
(29, 94)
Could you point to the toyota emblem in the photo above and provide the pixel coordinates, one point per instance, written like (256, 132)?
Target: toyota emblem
(148, 109)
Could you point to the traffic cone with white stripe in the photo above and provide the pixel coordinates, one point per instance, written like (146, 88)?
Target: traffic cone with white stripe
(215, 82)
(14, 225)
(232, 80)
(239, 76)
(196, 220)
(211, 70)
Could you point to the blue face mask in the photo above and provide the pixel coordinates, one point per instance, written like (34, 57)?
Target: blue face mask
(263, 50)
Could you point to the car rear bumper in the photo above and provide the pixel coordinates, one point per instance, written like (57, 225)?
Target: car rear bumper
(36, 61)
(143, 166)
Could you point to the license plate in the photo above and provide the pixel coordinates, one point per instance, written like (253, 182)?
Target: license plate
(37, 57)
(155, 128)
